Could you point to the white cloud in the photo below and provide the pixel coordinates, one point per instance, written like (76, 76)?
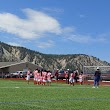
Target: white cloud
(34, 26)
(38, 24)
(48, 44)
(13, 44)
(67, 30)
(85, 39)
(79, 38)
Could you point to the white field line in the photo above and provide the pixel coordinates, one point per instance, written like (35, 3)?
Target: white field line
(9, 87)
(48, 87)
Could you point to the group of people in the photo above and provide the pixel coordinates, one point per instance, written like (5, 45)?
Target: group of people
(40, 78)
(73, 77)
(43, 77)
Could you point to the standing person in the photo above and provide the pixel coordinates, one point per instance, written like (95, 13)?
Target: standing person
(39, 77)
(76, 74)
(35, 76)
(28, 76)
(81, 78)
(41, 80)
(56, 75)
(68, 72)
(49, 78)
(71, 79)
(44, 77)
(66, 76)
(97, 77)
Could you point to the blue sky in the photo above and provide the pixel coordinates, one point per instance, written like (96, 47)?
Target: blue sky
(57, 26)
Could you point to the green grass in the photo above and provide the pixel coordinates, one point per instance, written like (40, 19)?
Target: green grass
(17, 95)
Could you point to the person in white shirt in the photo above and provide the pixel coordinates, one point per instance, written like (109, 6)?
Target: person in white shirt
(81, 78)
(28, 76)
(71, 79)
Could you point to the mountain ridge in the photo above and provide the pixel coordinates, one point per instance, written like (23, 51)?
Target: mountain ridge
(10, 53)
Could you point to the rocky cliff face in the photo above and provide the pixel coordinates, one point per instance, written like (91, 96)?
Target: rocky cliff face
(75, 61)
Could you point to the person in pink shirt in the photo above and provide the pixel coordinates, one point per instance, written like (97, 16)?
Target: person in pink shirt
(28, 76)
(44, 77)
(71, 78)
(81, 78)
(49, 78)
(35, 76)
(41, 79)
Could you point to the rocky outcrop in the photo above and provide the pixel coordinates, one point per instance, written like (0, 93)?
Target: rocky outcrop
(76, 61)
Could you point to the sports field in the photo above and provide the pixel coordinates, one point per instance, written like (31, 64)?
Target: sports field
(17, 95)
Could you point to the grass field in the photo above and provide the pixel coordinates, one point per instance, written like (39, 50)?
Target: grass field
(17, 95)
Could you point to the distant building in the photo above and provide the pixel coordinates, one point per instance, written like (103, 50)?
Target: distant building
(9, 67)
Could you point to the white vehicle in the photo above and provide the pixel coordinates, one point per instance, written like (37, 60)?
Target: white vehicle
(17, 74)
(20, 74)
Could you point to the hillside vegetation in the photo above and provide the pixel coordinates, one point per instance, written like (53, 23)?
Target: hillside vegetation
(49, 61)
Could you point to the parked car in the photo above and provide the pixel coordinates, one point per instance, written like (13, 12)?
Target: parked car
(61, 74)
(24, 74)
(7, 75)
(17, 74)
(21, 74)
(105, 77)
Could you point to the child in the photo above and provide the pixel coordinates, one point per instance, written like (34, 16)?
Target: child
(38, 77)
(66, 76)
(81, 78)
(35, 76)
(44, 77)
(28, 76)
(71, 79)
(49, 78)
